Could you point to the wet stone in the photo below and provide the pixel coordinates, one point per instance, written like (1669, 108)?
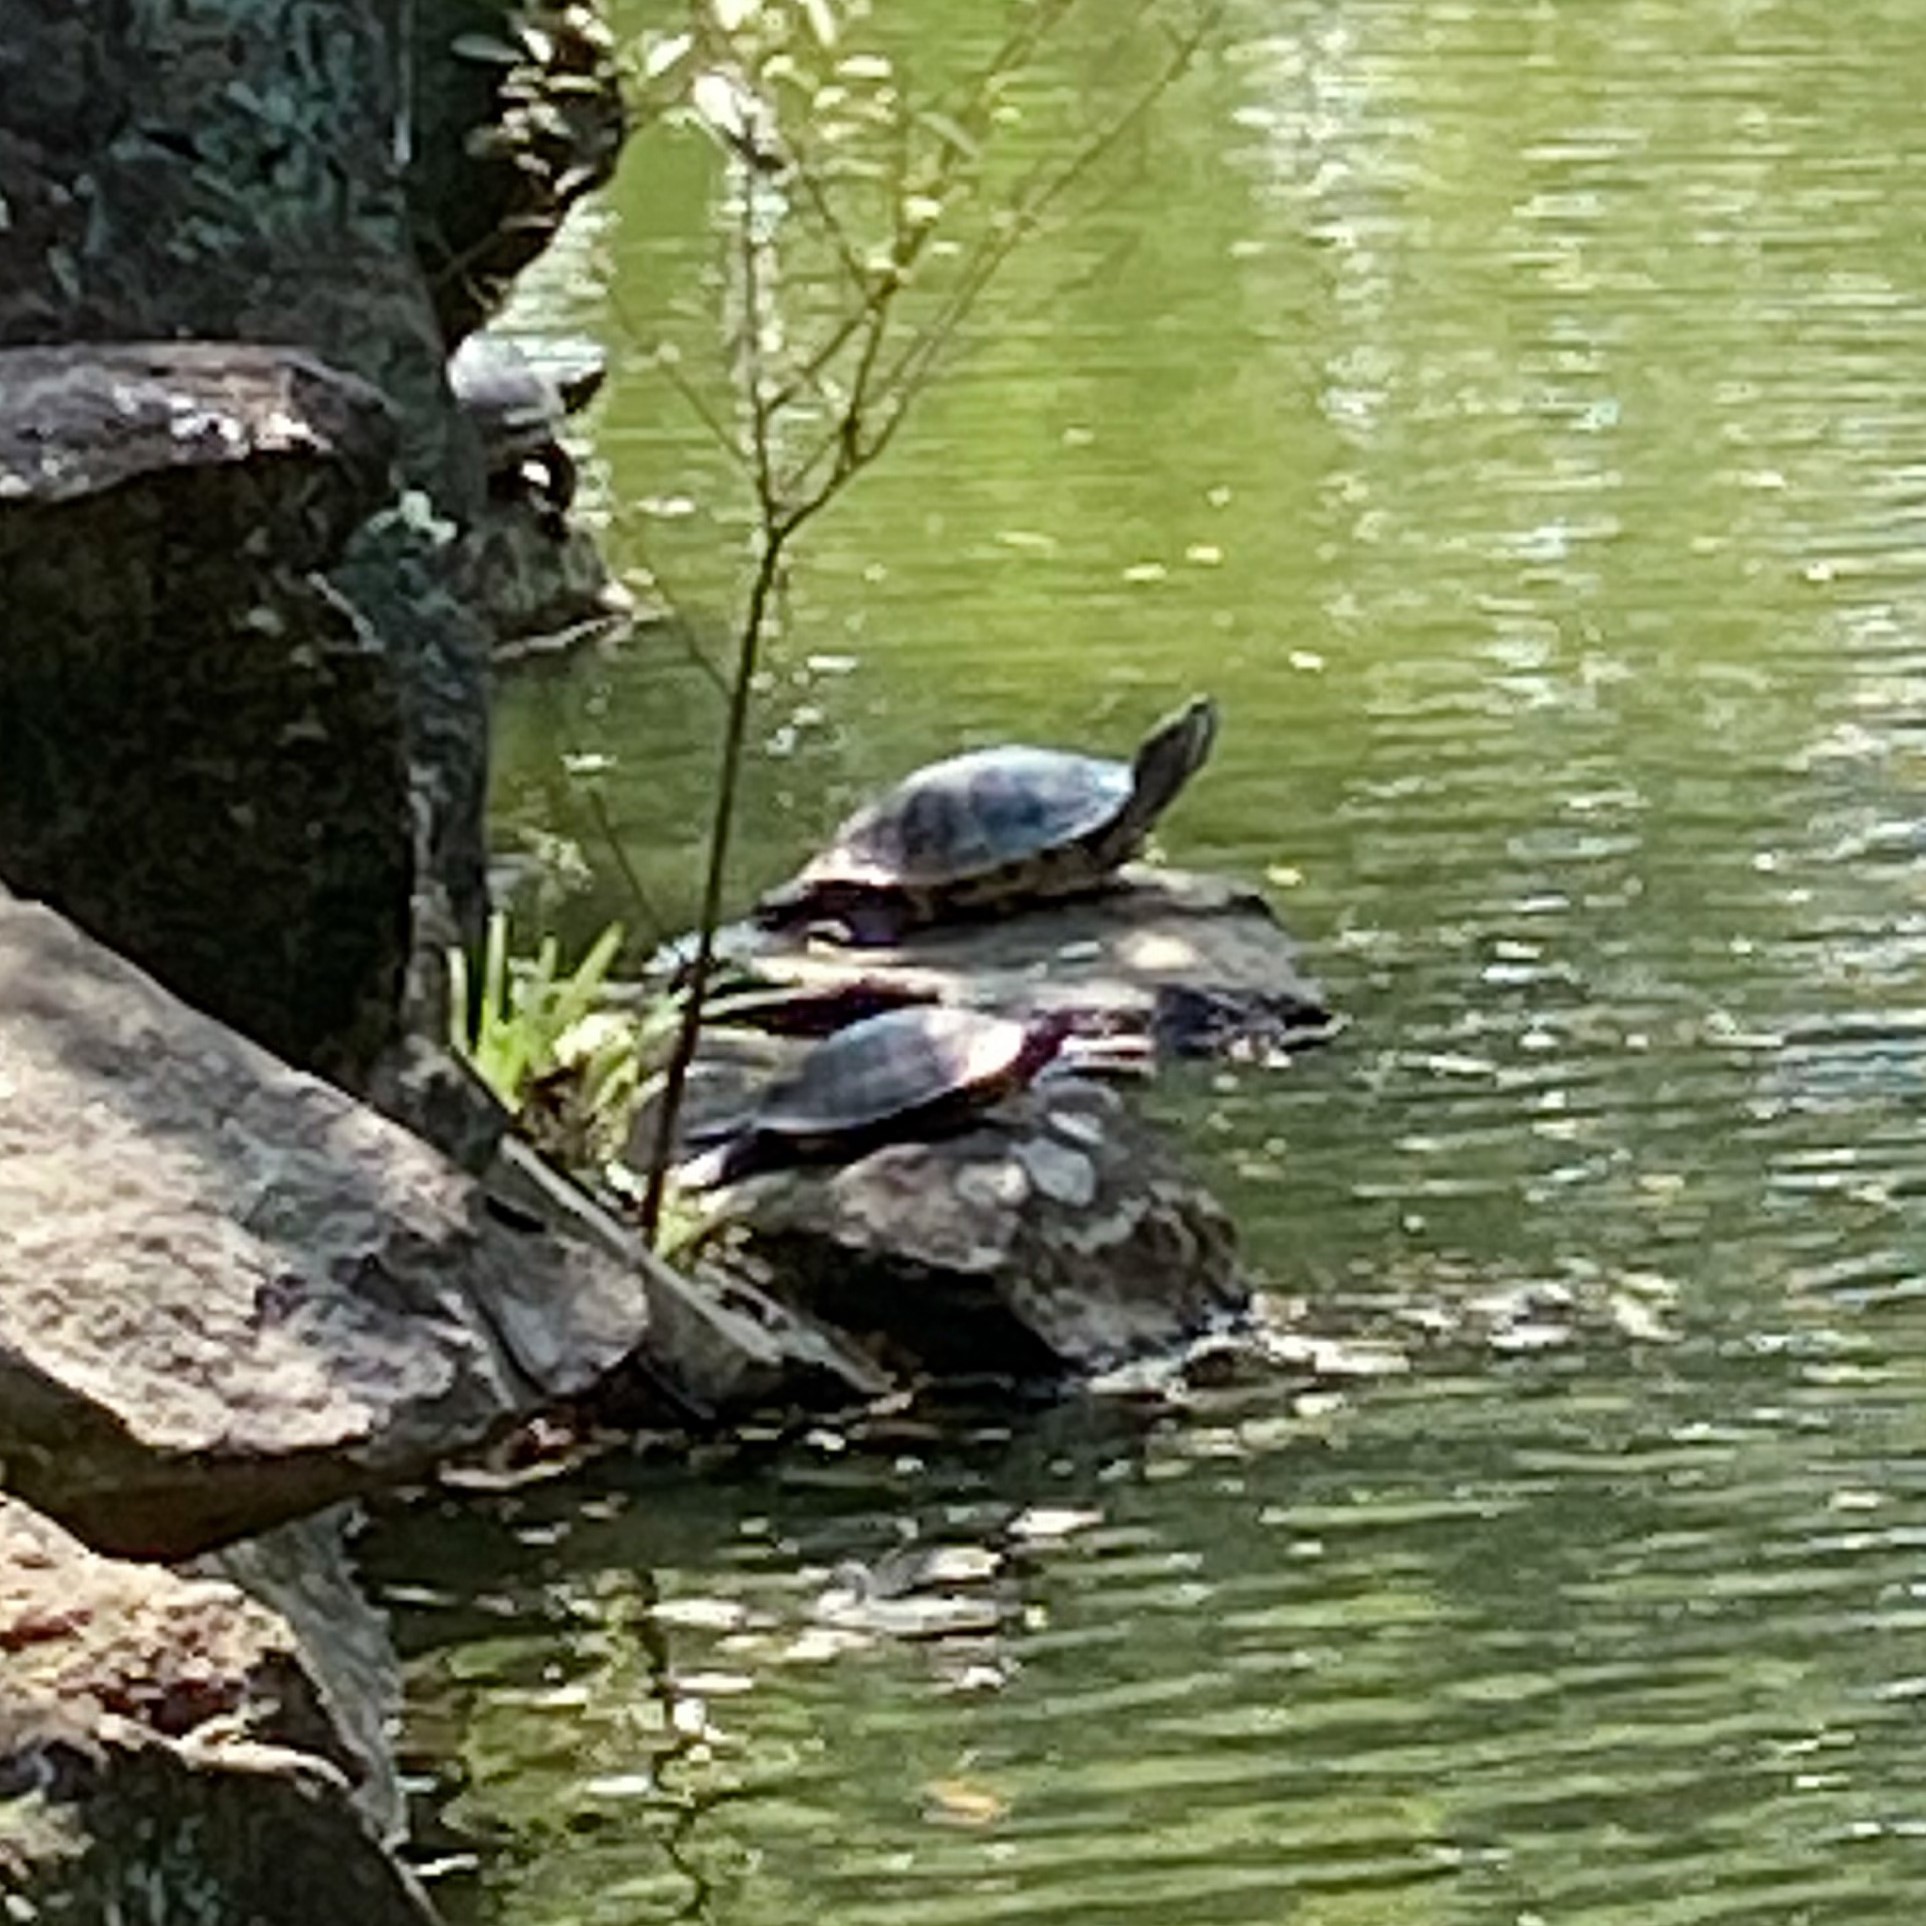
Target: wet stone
(1061, 1174)
(930, 1255)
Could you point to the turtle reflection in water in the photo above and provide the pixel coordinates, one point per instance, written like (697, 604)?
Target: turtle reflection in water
(907, 1073)
(991, 829)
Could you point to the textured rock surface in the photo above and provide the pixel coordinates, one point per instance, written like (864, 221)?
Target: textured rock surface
(547, 587)
(1059, 1232)
(519, 115)
(204, 755)
(222, 168)
(166, 1753)
(716, 1346)
(228, 1294)
(1194, 964)
(303, 1574)
(269, 170)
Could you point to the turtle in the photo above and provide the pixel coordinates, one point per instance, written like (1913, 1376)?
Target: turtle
(517, 393)
(988, 830)
(910, 1072)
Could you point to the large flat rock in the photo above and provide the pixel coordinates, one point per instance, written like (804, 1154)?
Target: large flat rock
(230, 1294)
(1190, 963)
(78, 421)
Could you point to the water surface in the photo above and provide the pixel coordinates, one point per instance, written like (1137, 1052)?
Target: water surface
(1513, 414)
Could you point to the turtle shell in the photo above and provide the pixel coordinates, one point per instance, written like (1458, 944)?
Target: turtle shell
(896, 1065)
(973, 815)
(513, 404)
(990, 828)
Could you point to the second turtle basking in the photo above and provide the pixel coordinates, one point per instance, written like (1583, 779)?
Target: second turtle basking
(989, 830)
(906, 1073)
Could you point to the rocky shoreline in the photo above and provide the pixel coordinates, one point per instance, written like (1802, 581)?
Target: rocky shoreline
(246, 1269)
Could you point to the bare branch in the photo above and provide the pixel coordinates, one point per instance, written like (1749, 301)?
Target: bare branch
(731, 445)
(804, 173)
(652, 918)
(879, 394)
(722, 822)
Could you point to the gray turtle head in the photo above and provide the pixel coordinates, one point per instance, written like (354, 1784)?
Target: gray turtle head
(1171, 754)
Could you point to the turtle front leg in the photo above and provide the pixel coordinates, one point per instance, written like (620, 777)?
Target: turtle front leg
(875, 921)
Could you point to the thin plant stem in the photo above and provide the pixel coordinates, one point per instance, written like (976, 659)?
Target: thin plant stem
(880, 392)
(735, 729)
(598, 807)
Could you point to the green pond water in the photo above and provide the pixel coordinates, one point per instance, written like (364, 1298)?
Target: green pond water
(1516, 415)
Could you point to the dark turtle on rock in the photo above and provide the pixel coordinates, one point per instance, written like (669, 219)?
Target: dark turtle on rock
(991, 829)
(517, 393)
(906, 1073)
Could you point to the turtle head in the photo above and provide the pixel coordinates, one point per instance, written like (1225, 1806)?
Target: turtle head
(864, 913)
(788, 906)
(1171, 754)
(1044, 1035)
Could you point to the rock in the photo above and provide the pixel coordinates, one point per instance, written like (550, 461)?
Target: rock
(429, 1090)
(522, 115)
(303, 1573)
(1195, 964)
(716, 1345)
(275, 170)
(543, 582)
(166, 1751)
(921, 1592)
(170, 1652)
(204, 754)
(1059, 1233)
(228, 1293)
(231, 171)
(406, 574)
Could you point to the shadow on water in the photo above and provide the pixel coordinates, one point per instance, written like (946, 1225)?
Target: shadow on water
(1512, 415)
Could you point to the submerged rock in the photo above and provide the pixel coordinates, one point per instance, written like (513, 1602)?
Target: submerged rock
(228, 1293)
(1058, 1234)
(919, 1592)
(167, 1750)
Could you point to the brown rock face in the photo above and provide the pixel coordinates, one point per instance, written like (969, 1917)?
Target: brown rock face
(230, 1294)
(167, 1750)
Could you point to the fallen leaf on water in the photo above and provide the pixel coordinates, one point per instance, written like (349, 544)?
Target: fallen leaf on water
(959, 1802)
